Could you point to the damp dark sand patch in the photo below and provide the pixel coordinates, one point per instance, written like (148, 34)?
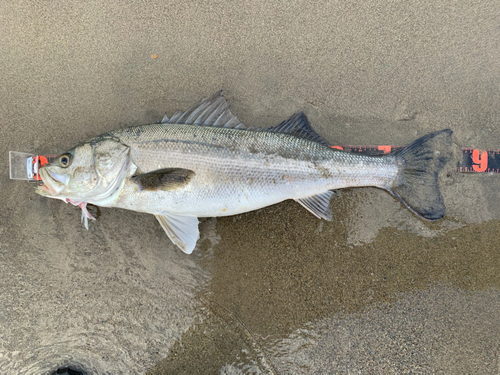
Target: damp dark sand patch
(277, 269)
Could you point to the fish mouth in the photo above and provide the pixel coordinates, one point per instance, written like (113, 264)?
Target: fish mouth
(54, 183)
(62, 178)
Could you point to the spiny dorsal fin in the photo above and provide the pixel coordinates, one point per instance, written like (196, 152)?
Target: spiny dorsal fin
(166, 179)
(319, 205)
(298, 125)
(213, 111)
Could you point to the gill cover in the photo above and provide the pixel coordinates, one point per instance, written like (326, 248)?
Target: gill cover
(111, 161)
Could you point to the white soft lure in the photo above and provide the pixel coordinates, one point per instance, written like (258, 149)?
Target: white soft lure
(204, 162)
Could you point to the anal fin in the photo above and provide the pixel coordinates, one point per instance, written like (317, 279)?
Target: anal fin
(319, 205)
(182, 230)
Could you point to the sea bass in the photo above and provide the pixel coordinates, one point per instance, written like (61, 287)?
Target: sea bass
(205, 163)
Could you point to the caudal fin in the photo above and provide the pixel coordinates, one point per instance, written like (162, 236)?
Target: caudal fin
(417, 183)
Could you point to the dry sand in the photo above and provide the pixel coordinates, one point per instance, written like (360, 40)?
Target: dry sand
(376, 290)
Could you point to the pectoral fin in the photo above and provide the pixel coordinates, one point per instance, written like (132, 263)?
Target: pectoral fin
(182, 230)
(164, 179)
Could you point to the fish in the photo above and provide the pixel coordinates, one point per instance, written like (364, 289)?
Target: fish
(204, 162)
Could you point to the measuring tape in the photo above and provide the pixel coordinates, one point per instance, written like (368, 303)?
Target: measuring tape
(475, 160)
(368, 150)
(27, 166)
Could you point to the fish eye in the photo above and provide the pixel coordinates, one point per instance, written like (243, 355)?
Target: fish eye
(65, 160)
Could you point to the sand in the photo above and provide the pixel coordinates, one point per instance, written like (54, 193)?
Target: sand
(374, 291)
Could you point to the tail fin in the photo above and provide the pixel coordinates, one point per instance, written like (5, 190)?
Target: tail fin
(416, 185)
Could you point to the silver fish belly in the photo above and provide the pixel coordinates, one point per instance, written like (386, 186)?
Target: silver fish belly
(204, 163)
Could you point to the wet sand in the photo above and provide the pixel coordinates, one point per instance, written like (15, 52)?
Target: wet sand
(276, 290)
(421, 299)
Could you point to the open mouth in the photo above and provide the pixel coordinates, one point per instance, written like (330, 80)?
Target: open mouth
(53, 183)
(62, 178)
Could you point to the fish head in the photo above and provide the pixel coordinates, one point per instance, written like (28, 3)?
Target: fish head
(89, 172)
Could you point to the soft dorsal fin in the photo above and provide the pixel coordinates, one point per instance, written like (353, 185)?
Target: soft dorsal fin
(319, 205)
(182, 230)
(298, 125)
(166, 179)
(213, 111)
